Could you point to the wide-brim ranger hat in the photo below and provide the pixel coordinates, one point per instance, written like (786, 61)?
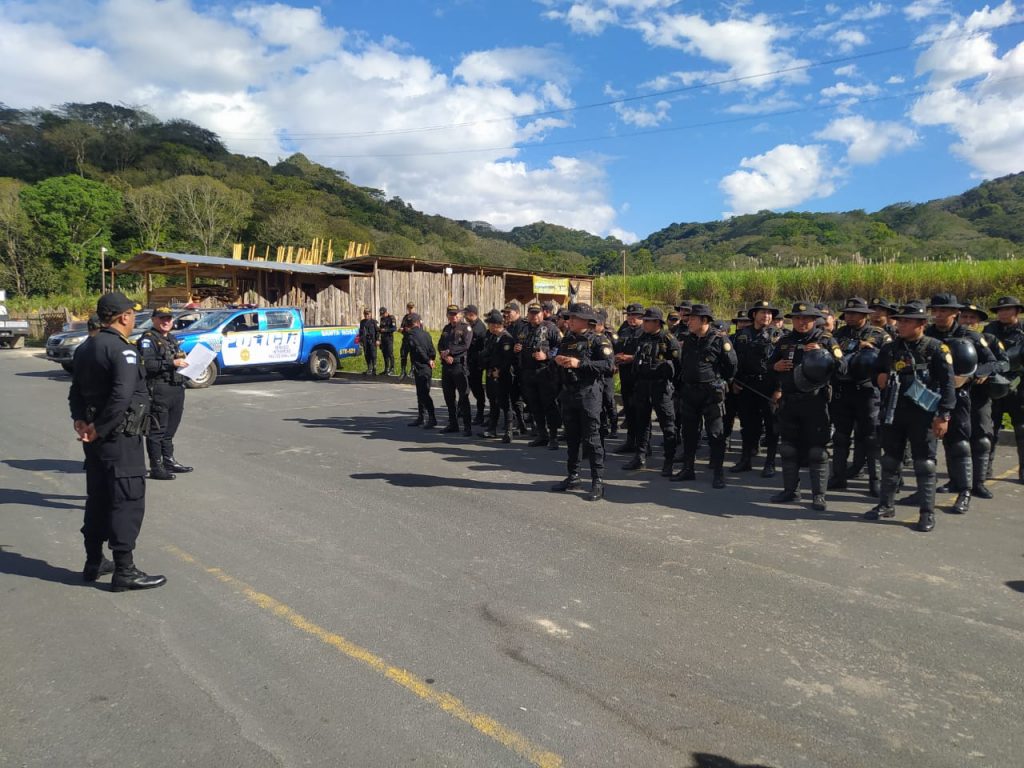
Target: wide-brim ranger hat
(803, 309)
(912, 310)
(883, 304)
(856, 305)
(742, 316)
(702, 310)
(969, 307)
(654, 313)
(1005, 302)
(635, 309)
(684, 306)
(764, 304)
(582, 311)
(944, 301)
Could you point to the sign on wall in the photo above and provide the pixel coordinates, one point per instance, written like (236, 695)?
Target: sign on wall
(558, 286)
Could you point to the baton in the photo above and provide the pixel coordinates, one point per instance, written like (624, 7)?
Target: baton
(754, 391)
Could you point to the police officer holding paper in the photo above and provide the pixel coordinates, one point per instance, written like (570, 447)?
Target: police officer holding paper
(110, 408)
(162, 357)
(915, 376)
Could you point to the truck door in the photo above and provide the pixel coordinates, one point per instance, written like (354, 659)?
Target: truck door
(283, 336)
(242, 339)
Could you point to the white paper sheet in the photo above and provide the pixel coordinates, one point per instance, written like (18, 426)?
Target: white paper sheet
(198, 360)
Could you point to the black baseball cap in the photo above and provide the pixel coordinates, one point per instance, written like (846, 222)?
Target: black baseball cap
(654, 313)
(635, 309)
(114, 303)
(472, 309)
(453, 309)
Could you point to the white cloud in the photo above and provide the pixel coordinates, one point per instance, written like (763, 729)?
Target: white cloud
(987, 115)
(896, 80)
(848, 39)
(922, 9)
(585, 19)
(850, 70)
(867, 141)
(624, 235)
(780, 178)
(845, 92)
(867, 12)
(272, 79)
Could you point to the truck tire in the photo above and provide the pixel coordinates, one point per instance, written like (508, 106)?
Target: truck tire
(68, 367)
(322, 363)
(205, 380)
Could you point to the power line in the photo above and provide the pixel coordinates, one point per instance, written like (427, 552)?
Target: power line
(313, 136)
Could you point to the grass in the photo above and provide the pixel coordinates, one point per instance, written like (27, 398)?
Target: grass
(726, 290)
(357, 364)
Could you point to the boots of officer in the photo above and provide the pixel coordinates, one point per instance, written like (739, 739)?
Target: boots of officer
(790, 475)
(571, 482)
(979, 468)
(958, 464)
(157, 470)
(887, 491)
(95, 568)
(1020, 458)
(128, 577)
(419, 418)
(924, 472)
(596, 492)
(871, 459)
(840, 462)
(745, 462)
(768, 471)
(172, 464)
(817, 467)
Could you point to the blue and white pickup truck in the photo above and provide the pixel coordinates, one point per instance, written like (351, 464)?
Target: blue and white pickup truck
(267, 339)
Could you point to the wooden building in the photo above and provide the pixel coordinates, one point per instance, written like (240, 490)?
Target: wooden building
(337, 293)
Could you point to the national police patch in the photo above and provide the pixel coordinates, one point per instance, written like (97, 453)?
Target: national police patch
(837, 352)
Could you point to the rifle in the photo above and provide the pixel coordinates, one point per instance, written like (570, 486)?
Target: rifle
(752, 391)
(890, 397)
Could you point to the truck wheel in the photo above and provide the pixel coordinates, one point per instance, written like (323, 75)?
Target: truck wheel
(68, 367)
(18, 343)
(322, 364)
(209, 376)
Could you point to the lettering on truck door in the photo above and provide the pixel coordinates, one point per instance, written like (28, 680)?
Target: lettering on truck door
(259, 338)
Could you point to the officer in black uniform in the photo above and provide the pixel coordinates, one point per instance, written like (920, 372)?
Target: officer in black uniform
(388, 325)
(110, 409)
(706, 369)
(655, 365)
(421, 355)
(804, 425)
(982, 400)
(162, 357)
(739, 322)
(629, 336)
(410, 311)
(882, 312)
(496, 356)
(471, 314)
(609, 412)
(915, 376)
(854, 406)
(369, 338)
(945, 310)
(584, 359)
(539, 382)
(1008, 329)
(517, 328)
(453, 348)
(753, 388)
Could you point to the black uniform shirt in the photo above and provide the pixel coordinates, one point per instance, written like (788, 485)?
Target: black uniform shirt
(927, 359)
(987, 363)
(421, 350)
(791, 347)
(388, 324)
(657, 356)
(108, 379)
(706, 359)
(539, 338)
(595, 354)
(455, 340)
(158, 355)
(753, 350)
(477, 345)
(368, 330)
(497, 353)
(849, 340)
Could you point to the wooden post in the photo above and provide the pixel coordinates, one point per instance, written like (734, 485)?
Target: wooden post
(149, 285)
(376, 288)
(188, 282)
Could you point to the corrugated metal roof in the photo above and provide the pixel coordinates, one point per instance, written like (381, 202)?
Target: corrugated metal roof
(218, 261)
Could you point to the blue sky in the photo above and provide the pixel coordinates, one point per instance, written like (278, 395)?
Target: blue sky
(615, 116)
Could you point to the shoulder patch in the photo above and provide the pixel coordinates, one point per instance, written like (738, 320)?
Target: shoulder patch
(944, 349)
(145, 343)
(949, 358)
(606, 350)
(727, 347)
(983, 342)
(837, 352)
(130, 355)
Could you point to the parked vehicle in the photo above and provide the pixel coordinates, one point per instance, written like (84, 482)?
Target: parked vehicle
(12, 332)
(267, 339)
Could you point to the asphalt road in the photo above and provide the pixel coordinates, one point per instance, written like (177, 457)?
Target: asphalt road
(347, 591)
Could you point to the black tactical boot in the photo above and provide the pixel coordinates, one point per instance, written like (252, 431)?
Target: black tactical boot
(570, 483)
(539, 440)
(666, 467)
(453, 426)
(157, 471)
(744, 464)
(431, 421)
(790, 483)
(129, 578)
(404, 375)
(418, 422)
(93, 570)
(769, 463)
(979, 466)
(686, 473)
(878, 512)
(627, 447)
(553, 444)
(596, 492)
(962, 505)
(639, 461)
(718, 479)
(173, 465)
(926, 522)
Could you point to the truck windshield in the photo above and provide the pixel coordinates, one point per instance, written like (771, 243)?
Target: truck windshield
(210, 321)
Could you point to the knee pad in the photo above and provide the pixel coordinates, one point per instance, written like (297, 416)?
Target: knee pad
(981, 445)
(959, 450)
(788, 451)
(924, 467)
(891, 464)
(817, 454)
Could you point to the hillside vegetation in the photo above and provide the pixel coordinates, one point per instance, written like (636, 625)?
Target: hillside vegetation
(83, 177)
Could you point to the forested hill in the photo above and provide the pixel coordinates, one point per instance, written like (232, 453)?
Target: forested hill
(85, 176)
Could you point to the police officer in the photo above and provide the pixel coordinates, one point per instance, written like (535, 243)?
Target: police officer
(609, 413)
(804, 425)
(388, 325)
(945, 310)
(1008, 329)
(369, 338)
(854, 406)
(982, 428)
(110, 408)
(625, 350)
(496, 357)
(162, 357)
(584, 359)
(753, 386)
(422, 356)
(453, 347)
(915, 375)
(654, 367)
(403, 326)
(476, 372)
(517, 327)
(539, 382)
(706, 368)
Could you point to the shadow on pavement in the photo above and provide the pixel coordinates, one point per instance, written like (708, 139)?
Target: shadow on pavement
(706, 760)
(1016, 586)
(17, 564)
(36, 499)
(67, 466)
(54, 375)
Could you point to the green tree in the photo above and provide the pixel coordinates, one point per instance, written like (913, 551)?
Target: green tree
(208, 213)
(149, 209)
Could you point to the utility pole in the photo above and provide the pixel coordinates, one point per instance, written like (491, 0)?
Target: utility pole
(623, 279)
(103, 269)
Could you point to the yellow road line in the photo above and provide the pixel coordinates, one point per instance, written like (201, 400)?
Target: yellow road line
(445, 701)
